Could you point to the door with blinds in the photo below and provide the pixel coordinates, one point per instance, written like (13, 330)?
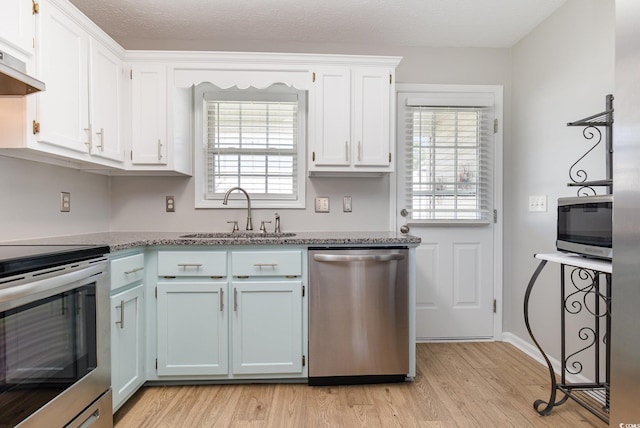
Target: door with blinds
(446, 194)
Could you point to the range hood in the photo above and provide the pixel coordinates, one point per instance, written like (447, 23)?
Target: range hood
(13, 80)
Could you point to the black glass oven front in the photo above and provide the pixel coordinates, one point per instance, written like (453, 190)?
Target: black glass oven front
(45, 347)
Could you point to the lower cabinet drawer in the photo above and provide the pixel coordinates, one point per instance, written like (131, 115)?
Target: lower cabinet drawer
(126, 270)
(266, 263)
(192, 263)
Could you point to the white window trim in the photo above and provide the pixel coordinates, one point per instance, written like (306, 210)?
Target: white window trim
(200, 161)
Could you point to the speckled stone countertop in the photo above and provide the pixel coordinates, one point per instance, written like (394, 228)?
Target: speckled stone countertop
(126, 240)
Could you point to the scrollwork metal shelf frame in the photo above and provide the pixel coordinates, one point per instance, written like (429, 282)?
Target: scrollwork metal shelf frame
(582, 293)
(592, 131)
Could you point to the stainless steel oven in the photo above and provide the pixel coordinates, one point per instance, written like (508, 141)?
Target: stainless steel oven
(54, 337)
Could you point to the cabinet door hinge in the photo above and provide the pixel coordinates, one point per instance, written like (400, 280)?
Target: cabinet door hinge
(36, 127)
(303, 289)
(35, 7)
(313, 76)
(304, 361)
(495, 216)
(495, 125)
(495, 306)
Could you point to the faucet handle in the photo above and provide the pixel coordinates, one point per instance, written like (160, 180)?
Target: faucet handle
(235, 226)
(263, 229)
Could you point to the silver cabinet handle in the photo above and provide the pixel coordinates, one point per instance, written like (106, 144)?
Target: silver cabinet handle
(221, 299)
(101, 134)
(357, 257)
(188, 265)
(359, 151)
(235, 299)
(134, 270)
(261, 265)
(159, 149)
(121, 306)
(346, 151)
(89, 143)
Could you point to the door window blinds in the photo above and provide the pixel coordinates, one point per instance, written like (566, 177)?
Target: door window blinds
(449, 155)
(253, 144)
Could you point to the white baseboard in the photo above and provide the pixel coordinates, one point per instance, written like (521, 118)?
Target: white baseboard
(534, 353)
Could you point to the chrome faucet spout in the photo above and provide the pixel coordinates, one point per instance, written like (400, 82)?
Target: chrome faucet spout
(226, 199)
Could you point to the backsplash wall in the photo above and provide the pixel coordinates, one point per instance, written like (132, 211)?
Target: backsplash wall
(31, 200)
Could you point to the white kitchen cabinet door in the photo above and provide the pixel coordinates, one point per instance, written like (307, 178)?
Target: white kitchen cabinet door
(105, 109)
(332, 137)
(63, 109)
(371, 117)
(17, 25)
(267, 327)
(192, 328)
(351, 120)
(127, 338)
(149, 114)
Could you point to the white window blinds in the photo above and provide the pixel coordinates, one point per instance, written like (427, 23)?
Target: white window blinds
(450, 163)
(252, 143)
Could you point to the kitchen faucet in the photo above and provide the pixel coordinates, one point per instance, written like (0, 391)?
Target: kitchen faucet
(226, 198)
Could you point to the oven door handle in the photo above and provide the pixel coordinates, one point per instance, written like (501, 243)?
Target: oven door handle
(31, 291)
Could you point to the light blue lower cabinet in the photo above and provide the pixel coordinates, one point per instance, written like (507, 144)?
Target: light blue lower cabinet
(192, 328)
(266, 325)
(127, 333)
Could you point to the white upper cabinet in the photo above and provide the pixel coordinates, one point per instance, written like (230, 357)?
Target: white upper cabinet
(17, 27)
(149, 114)
(80, 111)
(63, 110)
(352, 119)
(104, 106)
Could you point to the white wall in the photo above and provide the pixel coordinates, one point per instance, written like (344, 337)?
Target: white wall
(561, 72)
(138, 202)
(31, 200)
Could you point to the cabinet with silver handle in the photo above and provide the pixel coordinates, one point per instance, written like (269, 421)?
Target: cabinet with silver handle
(127, 325)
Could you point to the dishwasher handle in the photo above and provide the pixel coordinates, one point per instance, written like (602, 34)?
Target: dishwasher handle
(337, 258)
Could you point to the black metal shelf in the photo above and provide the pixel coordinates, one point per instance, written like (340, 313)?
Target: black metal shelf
(591, 131)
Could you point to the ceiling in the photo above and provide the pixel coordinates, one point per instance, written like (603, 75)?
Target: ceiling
(415, 23)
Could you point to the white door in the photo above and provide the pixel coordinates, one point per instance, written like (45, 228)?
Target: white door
(149, 114)
(447, 189)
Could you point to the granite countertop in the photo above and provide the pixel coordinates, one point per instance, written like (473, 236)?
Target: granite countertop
(125, 240)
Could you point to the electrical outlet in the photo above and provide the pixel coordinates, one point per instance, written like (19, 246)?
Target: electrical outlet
(538, 203)
(322, 204)
(170, 204)
(346, 204)
(65, 202)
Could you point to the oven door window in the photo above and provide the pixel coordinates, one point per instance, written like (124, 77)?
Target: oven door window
(45, 347)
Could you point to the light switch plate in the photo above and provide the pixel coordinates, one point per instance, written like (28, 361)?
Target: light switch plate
(65, 202)
(346, 204)
(538, 203)
(322, 204)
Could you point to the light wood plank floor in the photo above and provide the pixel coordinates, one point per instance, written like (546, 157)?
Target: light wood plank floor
(489, 384)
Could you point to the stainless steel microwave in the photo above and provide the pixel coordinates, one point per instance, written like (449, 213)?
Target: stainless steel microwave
(585, 225)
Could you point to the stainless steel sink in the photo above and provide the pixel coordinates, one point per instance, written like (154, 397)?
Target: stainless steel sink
(236, 235)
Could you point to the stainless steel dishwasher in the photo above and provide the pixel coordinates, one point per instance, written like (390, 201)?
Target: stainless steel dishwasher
(358, 316)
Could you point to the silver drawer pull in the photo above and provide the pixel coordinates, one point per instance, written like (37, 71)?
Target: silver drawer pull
(261, 265)
(138, 269)
(121, 306)
(190, 265)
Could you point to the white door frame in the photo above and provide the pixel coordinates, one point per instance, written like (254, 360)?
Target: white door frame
(498, 184)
